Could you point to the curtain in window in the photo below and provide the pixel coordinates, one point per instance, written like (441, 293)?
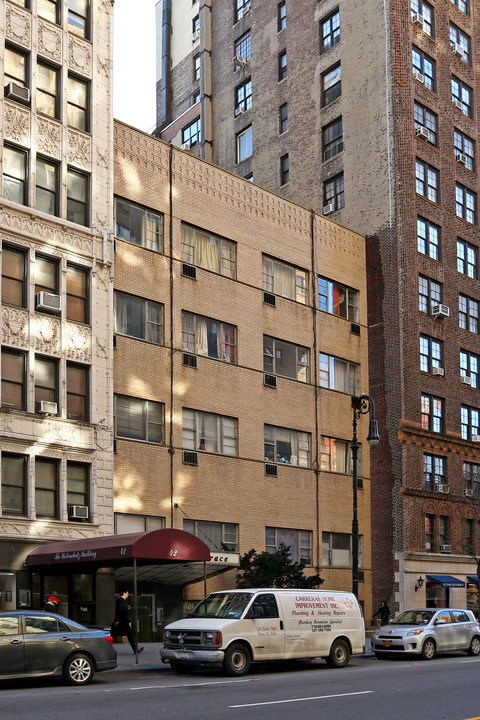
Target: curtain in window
(207, 252)
(290, 539)
(121, 314)
(284, 281)
(201, 336)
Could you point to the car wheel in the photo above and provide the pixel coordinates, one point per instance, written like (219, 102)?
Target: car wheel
(181, 668)
(237, 660)
(339, 654)
(428, 649)
(474, 648)
(78, 669)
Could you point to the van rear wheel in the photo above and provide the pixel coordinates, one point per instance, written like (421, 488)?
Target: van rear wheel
(339, 654)
(237, 660)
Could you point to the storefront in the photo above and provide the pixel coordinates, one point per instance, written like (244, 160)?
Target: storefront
(438, 590)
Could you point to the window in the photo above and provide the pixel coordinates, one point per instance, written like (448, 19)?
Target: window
(423, 117)
(195, 97)
(283, 117)
(286, 359)
(282, 65)
(77, 17)
(338, 374)
(244, 144)
(217, 535)
(196, 28)
(209, 432)
(464, 145)
(429, 294)
(77, 294)
(208, 251)
(465, 204)
(470, 366)
(15, 67)
(423, 64)
(443, 530)
(332, 139)
(138, 225)
(335, 456)
(47, 90)
(330, 31)
(431, 354)
(284, 170)
(428, 238)
(241, 8)
(78, 484)
(420, 7)
(192, 134)
(469, 422)
(471, 478)
(334, 192)
(139, 419)
(126, 523)
(77, 392)
(468, 547)
(287, 446)
(138, 318)
(196, 66)
(462, 97)
(13, 380)
(46, 186)
(243, 97)
(282, 16)
(46, 380)
(430, 533)
(426, 181)
(337, 550)
(77, 103)
(467, 258)
(331, 84)
(46, 488)
(15, 175)
(284, 280)
(243, 46)
(13, 276)
(463, 5)
(207, 337)
(48, 9)
(77, 197)
(14, 484)
(433, 471)
(337, 299)
(299, 542)
(432, 413)
(249, 177)
(46, 275)
(458, 37)
(468, 313)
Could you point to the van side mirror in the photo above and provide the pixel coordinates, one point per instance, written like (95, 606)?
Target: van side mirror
(256, 611)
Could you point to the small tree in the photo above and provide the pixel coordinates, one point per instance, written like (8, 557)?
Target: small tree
(274, 570)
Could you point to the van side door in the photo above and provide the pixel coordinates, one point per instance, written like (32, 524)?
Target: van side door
(266, 632)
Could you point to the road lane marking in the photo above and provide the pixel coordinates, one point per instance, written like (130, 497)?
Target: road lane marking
(179, 687)
(318, 697)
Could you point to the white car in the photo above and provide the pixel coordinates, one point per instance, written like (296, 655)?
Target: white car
(428, 631)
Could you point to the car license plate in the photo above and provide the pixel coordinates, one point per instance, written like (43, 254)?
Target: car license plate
(386, 643)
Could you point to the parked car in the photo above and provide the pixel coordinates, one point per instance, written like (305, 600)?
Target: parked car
(35, 644)
(428, 631)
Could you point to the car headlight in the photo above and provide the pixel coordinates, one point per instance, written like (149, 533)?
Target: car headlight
(166, 635)
(418, 631)
(212, 638)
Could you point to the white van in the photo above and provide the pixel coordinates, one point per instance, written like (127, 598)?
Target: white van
(233, 628)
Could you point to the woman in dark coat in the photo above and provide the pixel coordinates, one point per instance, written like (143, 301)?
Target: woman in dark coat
(121, 624)
(384, 612)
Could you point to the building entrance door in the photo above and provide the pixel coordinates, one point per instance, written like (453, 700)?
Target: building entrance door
(146, 618)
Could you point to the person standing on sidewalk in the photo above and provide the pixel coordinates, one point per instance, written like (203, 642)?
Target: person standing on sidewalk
(121, 624)
(384, 612)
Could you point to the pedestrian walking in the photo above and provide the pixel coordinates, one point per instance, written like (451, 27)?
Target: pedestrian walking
(122, 624)
(384, 612)
(52, 604)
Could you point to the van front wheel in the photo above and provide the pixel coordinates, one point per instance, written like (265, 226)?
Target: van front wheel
(237, 660)
(339, 654)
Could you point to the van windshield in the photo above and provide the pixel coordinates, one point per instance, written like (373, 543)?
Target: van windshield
(222, 605)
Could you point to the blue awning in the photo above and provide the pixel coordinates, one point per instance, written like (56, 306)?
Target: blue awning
(447, 581)
(472, 579)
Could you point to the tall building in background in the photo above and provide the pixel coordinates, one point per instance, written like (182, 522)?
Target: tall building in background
(56, 222)
(367, 112)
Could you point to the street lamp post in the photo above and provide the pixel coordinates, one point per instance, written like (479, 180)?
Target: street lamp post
(363, 405)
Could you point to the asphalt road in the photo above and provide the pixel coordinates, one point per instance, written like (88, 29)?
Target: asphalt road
(368, 689)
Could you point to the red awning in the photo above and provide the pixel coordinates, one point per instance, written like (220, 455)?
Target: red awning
(159, 546)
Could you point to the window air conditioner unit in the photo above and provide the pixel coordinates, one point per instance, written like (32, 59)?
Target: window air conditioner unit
(45, 407)
(246, 10)
(468, 492)
(445, 489)
(440, 311)
(475, 438)
(17, 92)
(190, 457)
(270, 380)
(269, 299)
(461, 158)
(195, 35)
(271, 470)
(239, 111)
(422, 132)
(239, 61)
(328, 209)
(48, 302)
(355, 328)
(457, 50)
(466, 380)
(438, 371)
(418, 76)
(417, 19)
(189, 271)
(78, 511)
(189, 360)
(458, 104)
(445, 548)
(185, 146)
(428, 546)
